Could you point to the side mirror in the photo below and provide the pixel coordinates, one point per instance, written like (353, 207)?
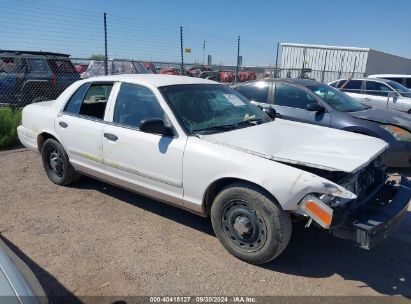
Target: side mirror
(315, 107)
(392, 94)
(270, 112)
(155, 126)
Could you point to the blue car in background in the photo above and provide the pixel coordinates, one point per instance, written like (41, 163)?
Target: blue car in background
(28, 77)
(317, 103)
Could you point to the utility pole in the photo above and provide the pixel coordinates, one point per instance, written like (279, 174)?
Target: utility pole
(238, 60)
(203, 50)
(276, 60)
(325, 63)
(182, 52)
(105, 45)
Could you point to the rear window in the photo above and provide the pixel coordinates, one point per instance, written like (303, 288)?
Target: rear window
(61, 66)
(38, 65)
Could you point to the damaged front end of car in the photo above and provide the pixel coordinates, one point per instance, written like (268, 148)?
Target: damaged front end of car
(367, 217)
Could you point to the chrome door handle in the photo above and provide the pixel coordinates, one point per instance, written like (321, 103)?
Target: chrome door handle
(110, 136)
(63, 124)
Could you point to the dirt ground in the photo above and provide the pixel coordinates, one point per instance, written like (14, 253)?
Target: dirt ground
(95, 239)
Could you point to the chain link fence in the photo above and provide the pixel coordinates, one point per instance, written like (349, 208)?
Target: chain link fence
(45, 49)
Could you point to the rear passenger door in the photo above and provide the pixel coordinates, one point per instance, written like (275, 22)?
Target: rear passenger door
(291, 102)
(80, 126)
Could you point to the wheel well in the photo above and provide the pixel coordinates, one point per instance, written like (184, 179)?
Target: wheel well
(41, 138)
(215, 188)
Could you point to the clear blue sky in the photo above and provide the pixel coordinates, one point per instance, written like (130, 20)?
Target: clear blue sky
(150, 29)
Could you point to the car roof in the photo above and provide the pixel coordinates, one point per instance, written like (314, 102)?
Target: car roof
(366, 79)
(389, 75)
(300, 81)
(157, 80)
(15, 52)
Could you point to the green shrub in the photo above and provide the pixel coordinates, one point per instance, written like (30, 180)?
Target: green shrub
(10, 119)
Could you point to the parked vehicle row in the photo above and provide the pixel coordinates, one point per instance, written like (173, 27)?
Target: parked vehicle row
(204, 147)
(405, 80)
(27, 77)
(379, 93)
(316, 103)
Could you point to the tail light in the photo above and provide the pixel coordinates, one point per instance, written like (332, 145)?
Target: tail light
(53, 79)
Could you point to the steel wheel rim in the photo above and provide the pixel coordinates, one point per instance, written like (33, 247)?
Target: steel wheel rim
(56, 162)
(244, 226)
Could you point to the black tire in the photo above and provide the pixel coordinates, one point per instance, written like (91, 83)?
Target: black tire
(250, 225)
(56, 163)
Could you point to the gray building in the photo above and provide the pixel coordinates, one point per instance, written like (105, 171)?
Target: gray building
(328, 63)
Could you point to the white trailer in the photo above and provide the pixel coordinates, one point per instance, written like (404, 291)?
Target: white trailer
(328, 63)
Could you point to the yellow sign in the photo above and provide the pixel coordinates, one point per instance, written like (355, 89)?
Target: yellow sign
(187, 50)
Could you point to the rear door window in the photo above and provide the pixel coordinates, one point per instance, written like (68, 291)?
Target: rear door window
(255, 92)
(408, 82)
(38, 66)
(91, 103)
(61, 66)
(353, 86)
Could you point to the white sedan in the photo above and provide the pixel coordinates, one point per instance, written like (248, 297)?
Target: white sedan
(203, 147)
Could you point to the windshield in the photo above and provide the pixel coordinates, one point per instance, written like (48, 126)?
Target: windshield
(337, 99)
(400, 88)
(211, 108)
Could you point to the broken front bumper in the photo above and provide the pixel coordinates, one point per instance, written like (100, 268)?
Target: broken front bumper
(379, 217)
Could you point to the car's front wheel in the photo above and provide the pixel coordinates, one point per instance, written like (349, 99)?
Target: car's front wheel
(56, 163)
(250, 224)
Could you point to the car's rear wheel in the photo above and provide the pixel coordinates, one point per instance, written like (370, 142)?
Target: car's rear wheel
(250, 224)
(56, 163)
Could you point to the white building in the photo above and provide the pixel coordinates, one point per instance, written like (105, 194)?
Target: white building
(331, 62)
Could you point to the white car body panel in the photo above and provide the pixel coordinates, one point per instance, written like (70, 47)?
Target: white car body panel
(179, 170)
(298, 143)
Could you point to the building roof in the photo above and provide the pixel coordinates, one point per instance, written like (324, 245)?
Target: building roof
(328, 47)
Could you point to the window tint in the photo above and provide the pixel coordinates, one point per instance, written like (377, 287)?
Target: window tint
(399, 80)
(74, 104)
(353, 86)
(93, 104)
(38, 66)
(290, 96)
(134, 104)
(376, 88)
(61, 66)
(256, 92)
(8, 65)
(408, 82)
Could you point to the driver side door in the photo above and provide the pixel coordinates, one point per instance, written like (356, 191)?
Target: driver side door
(291, 102)
(147, 163)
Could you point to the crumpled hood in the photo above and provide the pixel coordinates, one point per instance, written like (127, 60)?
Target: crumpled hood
(385, 116)
(303, 144)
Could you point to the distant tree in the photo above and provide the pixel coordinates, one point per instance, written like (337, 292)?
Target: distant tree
(97, 57)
